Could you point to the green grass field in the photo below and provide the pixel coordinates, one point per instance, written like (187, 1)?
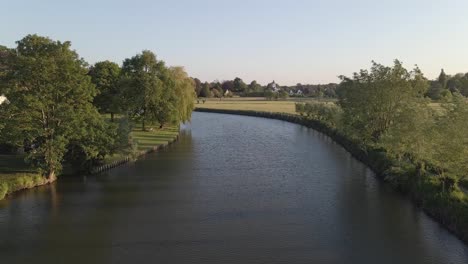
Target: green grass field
(148, 139)
(257, 104)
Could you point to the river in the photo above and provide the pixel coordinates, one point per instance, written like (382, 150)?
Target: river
(233, 189)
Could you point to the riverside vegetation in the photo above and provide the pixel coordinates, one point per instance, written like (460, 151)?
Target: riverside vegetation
(387, 118)
(60, 114)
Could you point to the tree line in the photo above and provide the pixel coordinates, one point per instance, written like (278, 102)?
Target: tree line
(391, 109)
(272, 90)
(56, 104)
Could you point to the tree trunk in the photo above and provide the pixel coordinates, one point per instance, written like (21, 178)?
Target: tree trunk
(51, 176)
(143, 127)
(112, 117)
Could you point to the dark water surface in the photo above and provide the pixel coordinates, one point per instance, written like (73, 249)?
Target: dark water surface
(232, 190)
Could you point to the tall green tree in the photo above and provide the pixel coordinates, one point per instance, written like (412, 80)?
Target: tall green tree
(105, 75)
(239, 86)
(50, 98)
(443, 79)
(372, 100)
(142, 86)
(206, 91)
(184, 91)
(255, 87)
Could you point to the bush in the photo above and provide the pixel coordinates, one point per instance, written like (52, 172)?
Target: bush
(3, 190)
(328, 113)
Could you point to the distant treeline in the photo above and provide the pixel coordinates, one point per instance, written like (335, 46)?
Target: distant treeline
(445, 85)
(56, 103)
(238, 87)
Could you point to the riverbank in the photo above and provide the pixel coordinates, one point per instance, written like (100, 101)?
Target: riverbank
(259, 103)
(450, 209)
(16, 175)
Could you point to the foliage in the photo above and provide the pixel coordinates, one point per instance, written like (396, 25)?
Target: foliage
(372, 101)
(50, 97)
(105, 76)
(328, 113)
(184, 93)
(142, 86)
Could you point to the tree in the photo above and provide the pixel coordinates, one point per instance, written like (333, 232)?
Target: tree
(228, 86)
(198, 86)
(283, 94)
(185, 94)
(142, 87)
(105, 75)
(435, 90)
(255, 87)
(50, 98)
(206, 91)
(239, 86)
(443, 79)
(373, 100)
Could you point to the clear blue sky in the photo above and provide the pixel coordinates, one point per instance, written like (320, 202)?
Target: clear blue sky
(286, 41)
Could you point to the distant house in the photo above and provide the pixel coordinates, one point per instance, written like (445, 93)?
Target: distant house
(227, 93)
(273, 87)
(296, 93)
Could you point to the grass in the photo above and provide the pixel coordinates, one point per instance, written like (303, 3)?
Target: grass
(257, 104)
(16, 174)
(146, 140)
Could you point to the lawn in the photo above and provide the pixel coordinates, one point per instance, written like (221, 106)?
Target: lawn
(16, 174)
(146, 140)
(257, 104)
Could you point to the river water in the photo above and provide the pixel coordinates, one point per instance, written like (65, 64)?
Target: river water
(234, 189)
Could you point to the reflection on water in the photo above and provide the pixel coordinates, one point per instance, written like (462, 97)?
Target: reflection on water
(232, 190)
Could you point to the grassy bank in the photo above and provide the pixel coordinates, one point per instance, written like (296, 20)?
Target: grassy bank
(16, 174)
(257, 104)
(448, 208)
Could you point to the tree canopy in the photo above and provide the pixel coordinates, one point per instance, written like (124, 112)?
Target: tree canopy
(50, 97)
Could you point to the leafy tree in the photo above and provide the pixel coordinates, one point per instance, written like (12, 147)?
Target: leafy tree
(435, 91)
(255, 87)
(443, 79)
(105, 75)
(449, 139)
(185, 96)
(239, 86)
(206, 91)
(283, 94)
(198, 86)
(50, 98)
(228, 86)
(409, 136)
(373, 100)
(143, 88)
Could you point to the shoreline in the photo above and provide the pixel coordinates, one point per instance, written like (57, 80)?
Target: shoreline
(28, 181)
(451, 214)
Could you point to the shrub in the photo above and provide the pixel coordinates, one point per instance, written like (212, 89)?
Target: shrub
(3, 190)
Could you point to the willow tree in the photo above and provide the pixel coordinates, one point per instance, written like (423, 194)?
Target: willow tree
(373, 100)
(50, 102)
(185, 93)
